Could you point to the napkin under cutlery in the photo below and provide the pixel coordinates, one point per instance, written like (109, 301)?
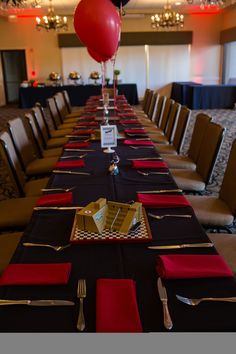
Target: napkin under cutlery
(70, 164)
(76, 145)
(58, 199)
(162, 201)
(148, 164)
(138, 142)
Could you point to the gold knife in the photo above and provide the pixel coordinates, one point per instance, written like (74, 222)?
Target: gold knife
(161, 191)
(185, 245)
(70, 172)
(56, 208)
(164, 299)
(37, 302)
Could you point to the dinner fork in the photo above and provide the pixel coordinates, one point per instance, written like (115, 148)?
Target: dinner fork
(55, 248)
(81, 294)
(159, 217)
(195, 302)
(57, 189)
(152, 173)
(142, 147)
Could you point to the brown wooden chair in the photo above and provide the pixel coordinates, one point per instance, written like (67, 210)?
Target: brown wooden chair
(196, 181)
(62, 109)
(72, 110)
(165, 114)
(218, 212)
(55, 116)
(30, 163)
(22, 186)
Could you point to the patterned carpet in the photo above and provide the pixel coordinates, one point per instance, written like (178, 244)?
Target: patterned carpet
(226, 118)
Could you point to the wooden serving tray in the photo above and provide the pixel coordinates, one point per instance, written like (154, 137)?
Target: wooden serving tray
(141, 234)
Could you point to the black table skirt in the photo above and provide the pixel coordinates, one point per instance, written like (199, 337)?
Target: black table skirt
(78, 94)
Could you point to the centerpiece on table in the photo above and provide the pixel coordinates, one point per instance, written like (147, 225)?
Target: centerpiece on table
(95, 76)
(55, 77)
(74, 76)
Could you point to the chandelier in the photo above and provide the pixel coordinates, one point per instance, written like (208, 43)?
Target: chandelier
(52, 21)
(208, 3)
(167, 19)
(4, 4)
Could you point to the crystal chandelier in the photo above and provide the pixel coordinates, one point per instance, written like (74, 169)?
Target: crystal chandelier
(167, 19)
(208, 3)
(17, 4)
(52, 21)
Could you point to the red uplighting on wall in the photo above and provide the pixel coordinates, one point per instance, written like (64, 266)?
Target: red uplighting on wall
(33, 73)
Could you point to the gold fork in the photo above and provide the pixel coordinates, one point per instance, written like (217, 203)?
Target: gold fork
(159, 217)
(55, 248)
(81, 294)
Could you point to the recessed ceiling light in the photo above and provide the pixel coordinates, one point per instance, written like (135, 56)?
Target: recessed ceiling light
(177, 3)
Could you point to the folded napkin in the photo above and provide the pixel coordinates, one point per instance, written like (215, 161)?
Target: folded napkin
(76, 145)
(135, 131)
(116, 306)
(57, 199)
(95, 124)
(174, 266)
(70, 164)
(149, 164)
(162, 201)
(138, 142)
(82, 132)
(90, 109)
(36, 274)
(88, 116)
(127, 114)
(130, 121)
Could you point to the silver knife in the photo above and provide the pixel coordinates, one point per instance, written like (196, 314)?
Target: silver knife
(145, 158)
(161, 191)
(79, 149)
(37, 302)
(56, 208)
(163, 297)
(70, 172)
(185, 245)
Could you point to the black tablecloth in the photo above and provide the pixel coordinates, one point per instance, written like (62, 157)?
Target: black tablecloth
(197, 96)
(117, 260)
(78, 94)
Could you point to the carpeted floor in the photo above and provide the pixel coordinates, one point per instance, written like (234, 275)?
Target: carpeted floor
(227, 118)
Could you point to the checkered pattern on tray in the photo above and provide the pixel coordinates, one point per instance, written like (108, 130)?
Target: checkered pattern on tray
(141, 234)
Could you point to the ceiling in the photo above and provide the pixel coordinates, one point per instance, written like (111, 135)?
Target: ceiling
(67, 7)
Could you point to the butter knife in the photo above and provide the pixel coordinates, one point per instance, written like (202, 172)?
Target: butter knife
(56, 208)
(186, 245)
(37, 302)
(161, 191)
(71, 172)
(163, 297)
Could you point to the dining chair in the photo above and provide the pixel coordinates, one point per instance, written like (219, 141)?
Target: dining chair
(22, 186)
(148, 102)
(167, 138)
(165, 114)
(15, 213)
(62, 109)
(37, 139)
(44, 122)
(188, 161)
(59, 124)
(8, 244)
(196, 181)
(147, 118)
(72, 110)
(31, 165)
(218, 212)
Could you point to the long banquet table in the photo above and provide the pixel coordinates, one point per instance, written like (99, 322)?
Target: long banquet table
(78, 94)
(115, 260)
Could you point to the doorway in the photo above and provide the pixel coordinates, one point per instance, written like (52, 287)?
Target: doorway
(14, 72)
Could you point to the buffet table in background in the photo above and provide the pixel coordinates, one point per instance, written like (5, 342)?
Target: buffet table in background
(197, 96)
(78, 94)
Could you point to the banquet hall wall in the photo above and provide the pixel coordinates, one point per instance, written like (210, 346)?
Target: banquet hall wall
(43, 54)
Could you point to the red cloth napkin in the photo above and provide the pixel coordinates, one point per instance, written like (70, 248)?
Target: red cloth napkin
(76, 145)
(174, 266)
(83, 132)
(95, 124)
(36, 274)
(58, 199)
(88, 117)
(90, 109)
(121, 97)
(71, 164)
(130, 121)
(162, 201)
(138, 142)
(149, 164)
(135, 131)
(126, 114)
(116, 306)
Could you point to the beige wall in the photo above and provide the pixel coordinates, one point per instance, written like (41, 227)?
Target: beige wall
(43, 54)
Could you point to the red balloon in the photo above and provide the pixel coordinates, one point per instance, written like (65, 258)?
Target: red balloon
(97, 24)
(96, 56)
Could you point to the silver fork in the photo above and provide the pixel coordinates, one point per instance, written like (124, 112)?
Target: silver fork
(152, 173)
(81, 294)
(142, 147)
(55, 248)
(57, 189)
(159, 217)
(195, 302)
